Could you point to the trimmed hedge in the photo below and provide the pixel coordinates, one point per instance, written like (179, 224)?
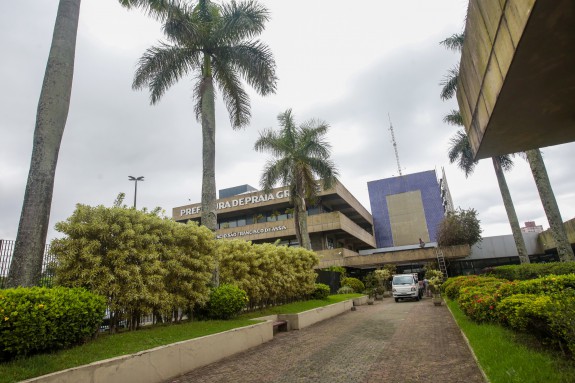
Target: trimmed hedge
(452, 286)
(542, 306)
(532, 270)
(39, 318)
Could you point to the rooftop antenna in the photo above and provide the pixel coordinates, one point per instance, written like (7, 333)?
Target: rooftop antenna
(394, 145)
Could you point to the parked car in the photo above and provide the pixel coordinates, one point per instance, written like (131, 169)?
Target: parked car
(405, 286)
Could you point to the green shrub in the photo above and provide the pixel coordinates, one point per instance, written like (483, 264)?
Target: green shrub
(546, 285)
(452, 286)
(140, 261)
(321, 291)
(39, 319)
(268, 273)
(479, 302)
(226, 301)
(561, 317)
(524, 311)
(354, 283)
(345, 290)
(533, 270)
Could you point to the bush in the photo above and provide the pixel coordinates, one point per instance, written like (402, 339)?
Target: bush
(268, 273)
(354, 283)
(452, 286)
(547, 285)
(523, 311)
(479, 303)
(533, 270)
(345, 290)
(226, 301)
(561, 317)
(321, 291)
(141, 262)
(39, 319)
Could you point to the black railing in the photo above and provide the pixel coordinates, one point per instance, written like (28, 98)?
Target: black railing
(6, 252)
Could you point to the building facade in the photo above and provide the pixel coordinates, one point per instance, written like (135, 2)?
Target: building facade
(408, 208)
(338, 223)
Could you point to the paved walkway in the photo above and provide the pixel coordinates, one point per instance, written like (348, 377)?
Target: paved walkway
(389, 342)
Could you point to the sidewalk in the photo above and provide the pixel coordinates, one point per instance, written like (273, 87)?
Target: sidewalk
(387, 342)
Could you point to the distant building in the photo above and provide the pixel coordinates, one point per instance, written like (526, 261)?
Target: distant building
(338, 224)
(530, 227)
(408, 208)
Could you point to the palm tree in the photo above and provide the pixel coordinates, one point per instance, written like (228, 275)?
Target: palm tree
(52, 112)
(460, 150)
(213, 42)
(550, 206)
(301, 154)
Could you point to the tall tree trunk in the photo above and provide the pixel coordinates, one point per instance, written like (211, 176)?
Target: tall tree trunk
(209, 214)
(51, 118)
(300, 218)
(550, 206)
(511, 214)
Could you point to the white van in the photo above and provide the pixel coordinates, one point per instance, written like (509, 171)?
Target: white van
(405, 286)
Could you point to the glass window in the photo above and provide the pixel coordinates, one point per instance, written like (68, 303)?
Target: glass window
(241, 222)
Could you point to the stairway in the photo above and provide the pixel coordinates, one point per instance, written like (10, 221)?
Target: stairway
(441, 262)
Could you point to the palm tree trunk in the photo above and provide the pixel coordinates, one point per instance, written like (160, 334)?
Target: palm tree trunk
(300, 215)
(209, 215)
(51, 118)
(550, 206)
(511, 214)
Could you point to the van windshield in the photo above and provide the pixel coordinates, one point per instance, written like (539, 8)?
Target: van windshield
(403, 280)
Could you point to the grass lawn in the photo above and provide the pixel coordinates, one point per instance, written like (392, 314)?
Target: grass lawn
(109, 346)
(507, 356)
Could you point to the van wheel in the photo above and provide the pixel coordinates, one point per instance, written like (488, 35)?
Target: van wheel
(396, 300)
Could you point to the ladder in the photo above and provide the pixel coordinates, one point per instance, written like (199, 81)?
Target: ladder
(441, 262)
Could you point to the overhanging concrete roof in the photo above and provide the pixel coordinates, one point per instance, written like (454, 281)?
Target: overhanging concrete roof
(516, 88)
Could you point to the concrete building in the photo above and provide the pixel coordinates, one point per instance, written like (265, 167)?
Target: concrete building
(408, 208)
(338, 225)
(516, 83)
(530, 227)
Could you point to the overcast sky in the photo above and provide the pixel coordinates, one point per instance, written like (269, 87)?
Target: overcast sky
(349, 63)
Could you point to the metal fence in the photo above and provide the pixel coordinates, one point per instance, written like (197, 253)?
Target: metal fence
(6, 252)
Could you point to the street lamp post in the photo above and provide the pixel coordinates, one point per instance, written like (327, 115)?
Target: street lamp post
(136, 179)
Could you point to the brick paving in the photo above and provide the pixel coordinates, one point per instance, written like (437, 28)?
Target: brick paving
(387, 342)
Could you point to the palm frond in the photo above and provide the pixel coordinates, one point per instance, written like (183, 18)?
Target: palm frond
(181, 29)
(275, 171)
(235, 97)
(454, 42)
(449, 83)
(254, 60)
(158, 9)
(506, 162)
(163, 65)
(460, 152)
(243, 20)
(453, 118)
